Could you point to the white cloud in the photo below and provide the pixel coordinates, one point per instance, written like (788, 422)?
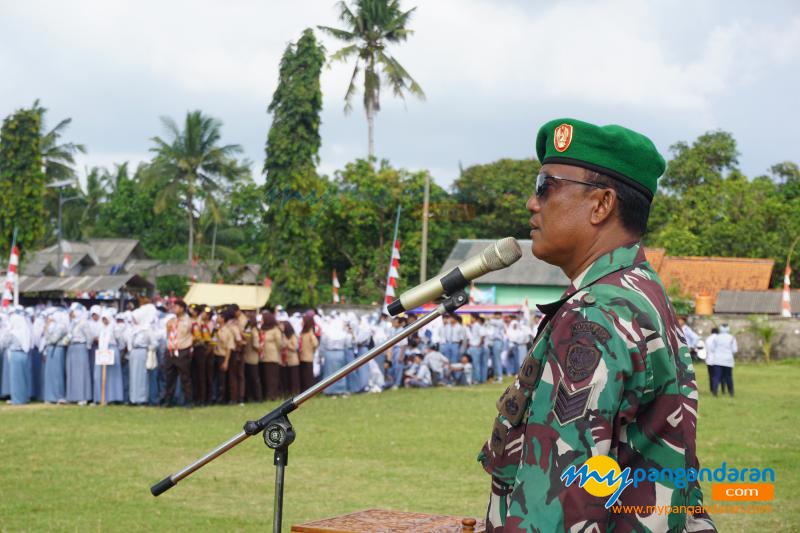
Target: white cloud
(483, 64)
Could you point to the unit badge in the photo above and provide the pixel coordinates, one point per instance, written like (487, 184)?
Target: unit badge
(562, 137)
(581, 361)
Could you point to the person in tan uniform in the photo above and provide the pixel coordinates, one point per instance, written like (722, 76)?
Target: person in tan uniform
(273, 344)
(292, 382)
(200, 355)
(308, 345)
(223, 350)
(178, 358)
(252, 354)
(236, 365)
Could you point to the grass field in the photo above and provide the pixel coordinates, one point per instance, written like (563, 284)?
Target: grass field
(90, 468)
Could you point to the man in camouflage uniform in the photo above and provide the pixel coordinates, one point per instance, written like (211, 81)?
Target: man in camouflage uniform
(609, 373)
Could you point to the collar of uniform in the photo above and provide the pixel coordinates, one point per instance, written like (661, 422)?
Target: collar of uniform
(622, 257)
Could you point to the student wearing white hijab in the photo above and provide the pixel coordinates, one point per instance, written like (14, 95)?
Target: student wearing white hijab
(140, 341)
(55, 335)
(5, 366)
(79, 373)
(107, 340)
(332, 349)
(36, 317)
(517, 345)
(17, 341)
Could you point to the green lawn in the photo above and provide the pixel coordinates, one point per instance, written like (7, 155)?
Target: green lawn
(90, 468)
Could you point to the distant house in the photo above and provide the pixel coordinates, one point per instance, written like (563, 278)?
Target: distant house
(541, 282)
(108, 268)
(708, 276)
(100, 269)
(529, 277)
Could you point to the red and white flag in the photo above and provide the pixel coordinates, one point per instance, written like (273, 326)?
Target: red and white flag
(394, 273)
(335, 287)
(786, 309)
(11, 276)
(65, 263)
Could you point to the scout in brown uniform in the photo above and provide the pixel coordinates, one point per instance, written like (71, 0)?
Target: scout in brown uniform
(226, 344)
(308, 345)
(178, 358)
(202, 358)
(252, 354)
(292, 359)
(273, 343)
(236, 365)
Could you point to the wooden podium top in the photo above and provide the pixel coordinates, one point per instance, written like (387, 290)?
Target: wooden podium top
(384, 521)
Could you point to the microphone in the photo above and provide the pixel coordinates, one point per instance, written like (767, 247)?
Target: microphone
(497, 255)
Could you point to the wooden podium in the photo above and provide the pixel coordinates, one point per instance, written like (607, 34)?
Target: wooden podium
(384, 521)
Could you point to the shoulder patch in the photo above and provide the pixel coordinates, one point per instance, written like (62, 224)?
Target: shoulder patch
(497, 442)
(512, 404)
(528, 372)
(570, 406)
(586, 327)
(581, 361)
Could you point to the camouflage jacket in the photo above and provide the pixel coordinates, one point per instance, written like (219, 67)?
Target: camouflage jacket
(609, 374)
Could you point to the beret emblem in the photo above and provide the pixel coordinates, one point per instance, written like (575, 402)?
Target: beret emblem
(562, 137)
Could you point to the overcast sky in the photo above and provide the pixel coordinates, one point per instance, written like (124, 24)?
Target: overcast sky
(493, 72)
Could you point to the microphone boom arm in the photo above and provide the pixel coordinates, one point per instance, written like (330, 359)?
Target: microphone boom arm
(253, 427)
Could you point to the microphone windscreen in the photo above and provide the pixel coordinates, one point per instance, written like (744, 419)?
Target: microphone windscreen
(502, 253)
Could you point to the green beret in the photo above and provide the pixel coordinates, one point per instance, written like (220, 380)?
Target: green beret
(612, 150)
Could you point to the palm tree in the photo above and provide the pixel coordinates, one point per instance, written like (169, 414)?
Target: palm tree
(58, 159)
(374, 25)
(193, 166)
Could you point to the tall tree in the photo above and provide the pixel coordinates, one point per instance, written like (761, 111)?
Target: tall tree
(22, 181)
(124, 214)
(292, 246)
(58, 157)
(705, 161)
(495, 193)
(194, 165)
(371, 26)
(361, 224)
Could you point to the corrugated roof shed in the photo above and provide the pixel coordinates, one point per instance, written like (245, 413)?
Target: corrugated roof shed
(71, 284)
(754, 302)
(527, 271)
(116, 251)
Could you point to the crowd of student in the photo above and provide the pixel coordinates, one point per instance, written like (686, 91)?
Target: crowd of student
(196, 355)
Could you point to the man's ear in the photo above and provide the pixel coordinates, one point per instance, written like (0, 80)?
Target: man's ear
(605, 202)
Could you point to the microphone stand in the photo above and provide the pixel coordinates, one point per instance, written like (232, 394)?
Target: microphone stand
(278, 431)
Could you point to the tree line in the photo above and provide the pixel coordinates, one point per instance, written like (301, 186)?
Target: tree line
(196, 199)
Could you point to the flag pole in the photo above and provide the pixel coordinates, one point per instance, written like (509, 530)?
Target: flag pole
(391, 256)
(786, 300)
(16, 274)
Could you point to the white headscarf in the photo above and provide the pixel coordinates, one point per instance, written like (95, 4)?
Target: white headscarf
(21, 330)
(144, 316)
(106, 330)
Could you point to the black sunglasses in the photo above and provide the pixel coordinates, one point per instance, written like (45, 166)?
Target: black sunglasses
(542, 184)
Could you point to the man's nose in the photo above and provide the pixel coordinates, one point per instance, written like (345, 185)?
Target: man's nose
(533, 204)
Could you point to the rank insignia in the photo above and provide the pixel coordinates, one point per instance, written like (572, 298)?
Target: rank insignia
(570, 406)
